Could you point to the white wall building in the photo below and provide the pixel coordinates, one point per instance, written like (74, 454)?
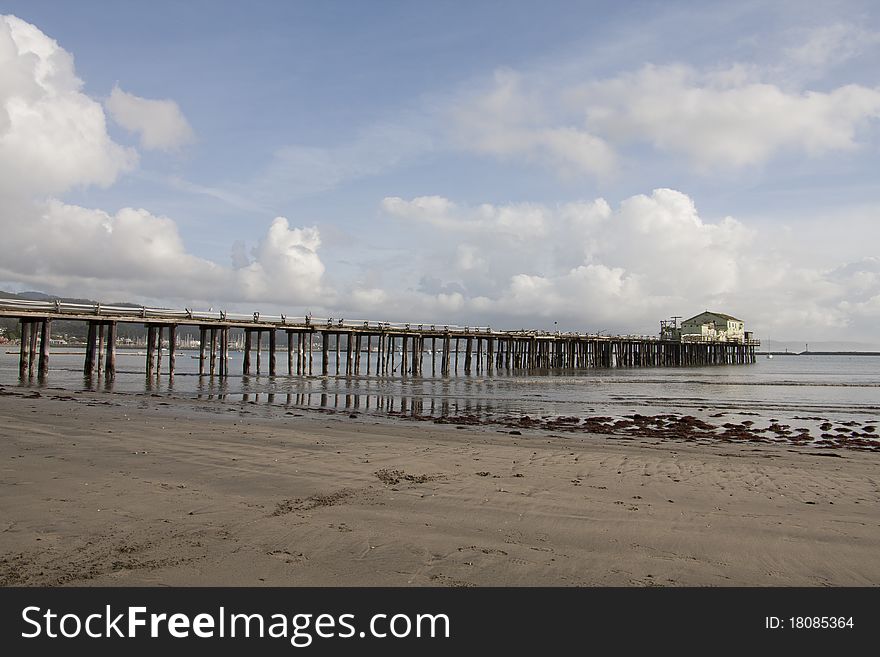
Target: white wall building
(709, 326)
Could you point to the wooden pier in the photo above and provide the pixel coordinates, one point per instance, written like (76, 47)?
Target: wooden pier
(400, 348)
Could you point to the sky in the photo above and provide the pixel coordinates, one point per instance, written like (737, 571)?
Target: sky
(591, 166)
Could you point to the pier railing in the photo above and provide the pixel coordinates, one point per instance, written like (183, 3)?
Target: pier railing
(145, 314)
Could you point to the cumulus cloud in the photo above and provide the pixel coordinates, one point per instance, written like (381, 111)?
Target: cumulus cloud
(70, 247)
(134, 254)
(53, 137)
(718, 119)
(591, 266)
(160, 123)
(285, 265)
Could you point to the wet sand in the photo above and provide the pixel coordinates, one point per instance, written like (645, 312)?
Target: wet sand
(96, 489)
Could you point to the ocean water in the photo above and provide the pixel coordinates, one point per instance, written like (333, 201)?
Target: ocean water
(802, 391)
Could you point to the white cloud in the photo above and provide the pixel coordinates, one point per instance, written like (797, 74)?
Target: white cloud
(286, 265)
(469, 258)
(135, 254)
(829, 45)
(160, 123)
(133, 247)
(509, 122)
(725, 119)
(52, 136)
(718, 119)
(593, 267)
(521, 221)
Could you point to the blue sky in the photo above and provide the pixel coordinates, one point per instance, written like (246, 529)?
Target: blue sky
(518, 163)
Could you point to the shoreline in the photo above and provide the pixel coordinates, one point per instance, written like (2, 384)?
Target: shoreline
(180, 492)
(725, 425)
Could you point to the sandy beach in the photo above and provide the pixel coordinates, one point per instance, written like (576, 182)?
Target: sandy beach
(107, 490)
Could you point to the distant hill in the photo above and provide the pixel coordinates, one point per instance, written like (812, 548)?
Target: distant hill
(71, 328)
(39, 296)
(31, 295)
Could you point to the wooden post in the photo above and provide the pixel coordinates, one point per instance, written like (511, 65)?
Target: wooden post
(289, 353)
(468, 345)
(380, 347)
(203, 336)
(325, 353)
(259, 350)
(100, 354)
(213, 350)
(110, 362)
(172, 346)
(348, 353)
(369, 354)
(91, 346)
(357, 354)
(336, 346)
(392, 353)
(356, 345)
(151, 345)
(416, 352)
(404, 355)
(32, 359)
(310, 353)
(456, 355)
(299, 352)
(272, 343)
(45, 332)
(226, 351)
(221, 351)
(158, 350)
(246, 362)
(24, 349)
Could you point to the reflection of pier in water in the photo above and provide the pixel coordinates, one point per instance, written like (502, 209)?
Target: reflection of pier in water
(399, 349)
(391, 404)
